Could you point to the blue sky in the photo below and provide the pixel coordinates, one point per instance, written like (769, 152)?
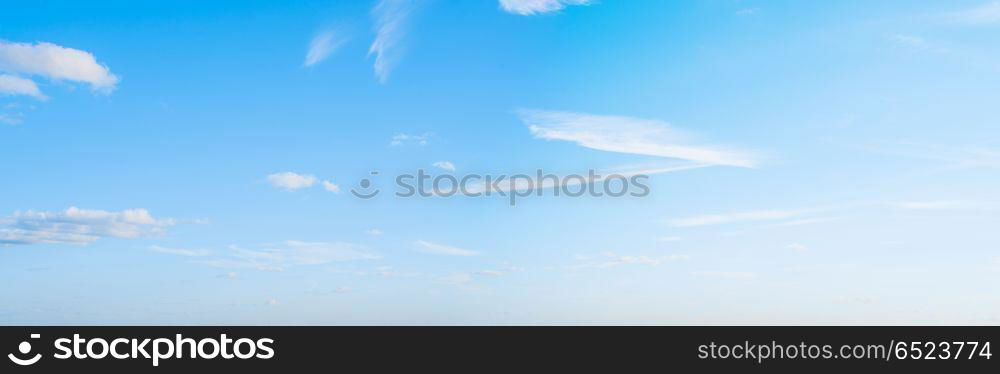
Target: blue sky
(191, 161)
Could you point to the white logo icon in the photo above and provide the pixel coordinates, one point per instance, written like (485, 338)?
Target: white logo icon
(25, 348)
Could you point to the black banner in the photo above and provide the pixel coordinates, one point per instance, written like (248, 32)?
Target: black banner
(472, 349)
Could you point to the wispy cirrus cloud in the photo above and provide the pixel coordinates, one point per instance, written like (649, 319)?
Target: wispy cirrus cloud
(56, 63)
(78, 226)
(323, 44)
(952, 156)
(612, 259)
(290, 253)
(947, 205)
(534, 183)
(533, 7)
(629, 135)
(181, 251)
(725, 274)
(391, 19)
(987, 13)
(441, 249)
(751, 216)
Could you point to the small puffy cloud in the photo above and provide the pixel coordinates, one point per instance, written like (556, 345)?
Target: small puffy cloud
(440, 249)
(57, 63)
(11, 85)
(629, 135)
(445, 165)
(291, 181)
(78, 226)
(400, 139)
(532, 7)
(374, 232)
(322, 45)
(329, 186)
(272, 302)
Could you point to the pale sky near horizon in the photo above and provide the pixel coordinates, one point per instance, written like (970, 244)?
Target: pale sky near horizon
(192, 162)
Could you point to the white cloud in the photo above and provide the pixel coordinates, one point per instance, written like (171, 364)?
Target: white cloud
(291, 181)
(180, 251)
(388, 272)
(953, 156)
(747, 11)
(983, 14)
(532, 7)
(717, 219)
(931, 205)
(618, 260)
(400, 139)
(57, 63)
(374, 232)
(317, 253)
(290, 253)
(10, 119)
(272, 302)
(440, 249)
(612, 259)
(391, 18)
(329, 186)
(628, 135)
(532, 183)
(322, 45)
(798, 247)
(445, 165)
(804, 221)
(78, 226)
(913, 41)
(725, 274)
(490, 273)
(11, 85)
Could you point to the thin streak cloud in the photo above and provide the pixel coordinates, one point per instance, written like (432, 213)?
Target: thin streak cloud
(323, 45)
(391, 19)
(534, 7)
(629, 135)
